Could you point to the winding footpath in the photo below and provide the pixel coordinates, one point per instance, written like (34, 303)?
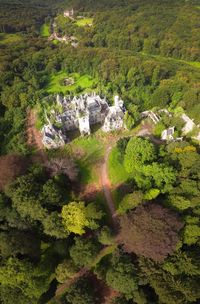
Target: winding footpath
(105, 181)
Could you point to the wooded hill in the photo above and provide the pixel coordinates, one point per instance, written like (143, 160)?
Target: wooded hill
(55, 227)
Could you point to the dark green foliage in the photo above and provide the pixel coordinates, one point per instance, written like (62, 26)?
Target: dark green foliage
(120, 300)
(171, 289)
(81, 293)
(65, 271)
(84, 251)
(13, 243)
(121, 275)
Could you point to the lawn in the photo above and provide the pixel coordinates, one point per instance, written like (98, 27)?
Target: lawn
(117, 173)
(44, 30)
(84, 21)
(10, 38)
(81, 82)
(88, 151)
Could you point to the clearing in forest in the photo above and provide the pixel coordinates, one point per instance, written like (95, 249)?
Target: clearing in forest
(84, 22)
(81, 83)
(44, 30)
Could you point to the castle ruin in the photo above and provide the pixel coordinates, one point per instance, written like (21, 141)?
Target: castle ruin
(80, 112)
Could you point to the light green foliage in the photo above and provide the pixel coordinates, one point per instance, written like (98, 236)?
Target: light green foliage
(132, 116)
(129, 121)
(191, 234)
(180, 202)
(159, 127)
(138, 152)
(17, 274)
(65, 271)
(44, 30)
(130, 201)
(106, 236)
(84, 22)
(151, 194)
(76, 217)
(84, 251)
(161, 176)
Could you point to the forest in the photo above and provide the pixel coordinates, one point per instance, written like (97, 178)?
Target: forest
(60, 241)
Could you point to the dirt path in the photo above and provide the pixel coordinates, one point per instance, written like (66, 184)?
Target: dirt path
(105, 181)
(106, 185)
(62, 288)
(34, 137)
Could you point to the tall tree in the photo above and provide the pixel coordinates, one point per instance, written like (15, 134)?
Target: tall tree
(77, 217)
(150, 230)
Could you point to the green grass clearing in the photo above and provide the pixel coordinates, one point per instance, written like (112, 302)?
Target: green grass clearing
(81, 83)
(88, 151)
(84, 22)
(45, 30)
(116, 171)
(10, 38)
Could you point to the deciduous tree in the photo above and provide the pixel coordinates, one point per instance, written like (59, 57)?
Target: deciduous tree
(150, 230)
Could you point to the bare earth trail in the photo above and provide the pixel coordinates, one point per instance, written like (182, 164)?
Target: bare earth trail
(106, 185)
(34, 137)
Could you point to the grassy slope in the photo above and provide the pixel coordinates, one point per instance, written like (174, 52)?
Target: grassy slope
(117, 173)
(55, 86)
(91, 151)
